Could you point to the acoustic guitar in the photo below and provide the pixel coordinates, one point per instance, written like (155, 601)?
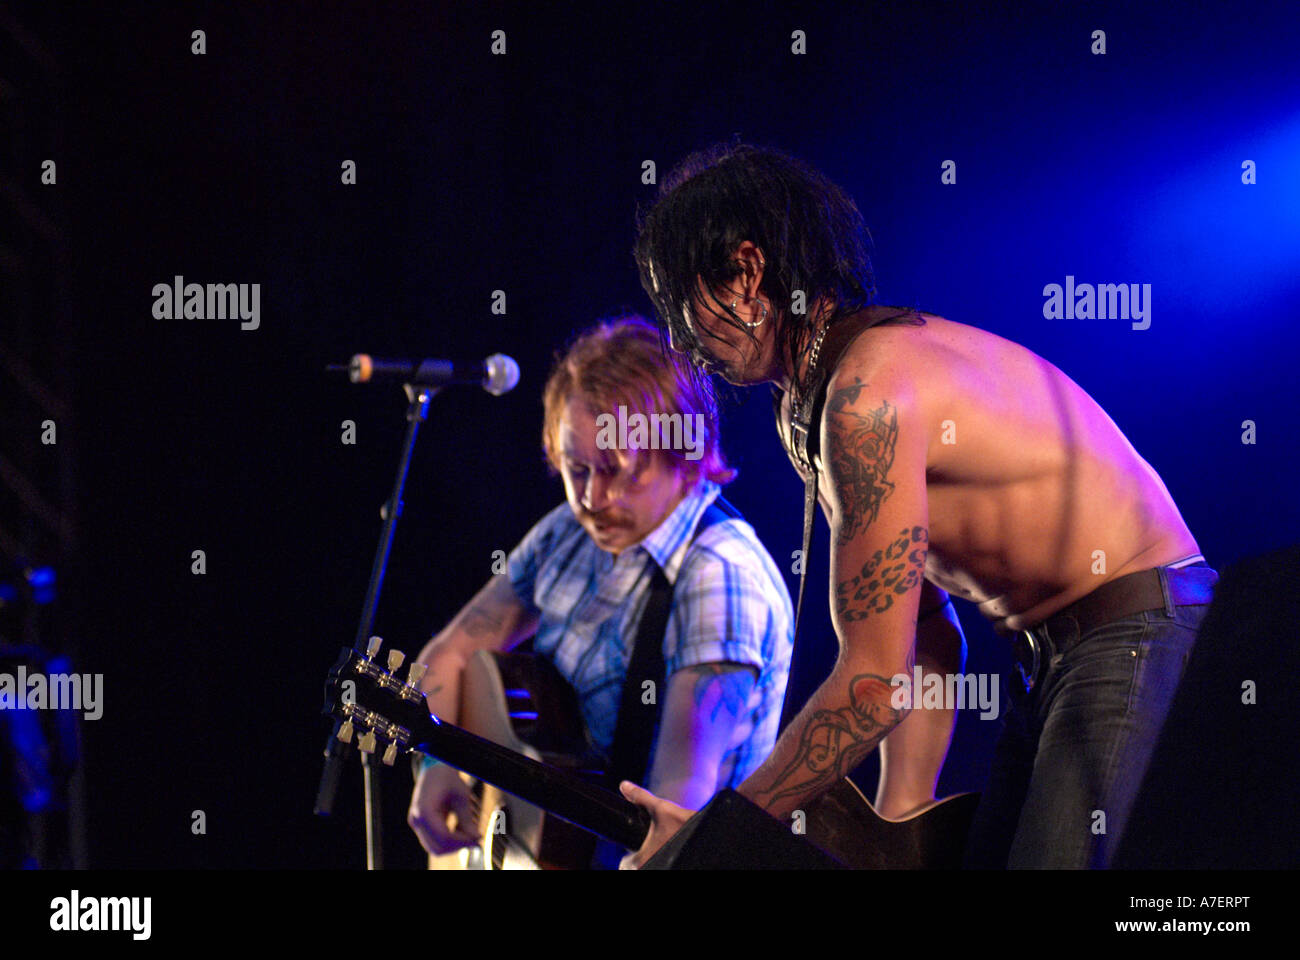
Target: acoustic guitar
(383, 713)
(521, 702)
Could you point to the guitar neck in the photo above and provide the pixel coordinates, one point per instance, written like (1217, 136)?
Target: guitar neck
(563, 794)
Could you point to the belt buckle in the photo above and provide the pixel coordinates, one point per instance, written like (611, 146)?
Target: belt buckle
(1035, 649)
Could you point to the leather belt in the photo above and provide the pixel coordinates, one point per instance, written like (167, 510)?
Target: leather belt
(1122, 597)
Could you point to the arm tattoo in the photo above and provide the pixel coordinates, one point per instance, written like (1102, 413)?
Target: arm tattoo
(862, 451)
(726, 685)
(833, 742)
(480, 622)
(889, 573)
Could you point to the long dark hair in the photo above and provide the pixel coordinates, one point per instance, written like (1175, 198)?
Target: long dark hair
(810, 231)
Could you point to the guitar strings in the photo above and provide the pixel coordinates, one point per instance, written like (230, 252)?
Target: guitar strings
(511, 842)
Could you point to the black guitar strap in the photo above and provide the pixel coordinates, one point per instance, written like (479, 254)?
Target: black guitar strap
(638, 722)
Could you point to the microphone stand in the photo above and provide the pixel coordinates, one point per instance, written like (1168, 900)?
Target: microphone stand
(337, 752)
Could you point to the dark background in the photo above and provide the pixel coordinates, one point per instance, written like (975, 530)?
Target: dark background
(523, 173)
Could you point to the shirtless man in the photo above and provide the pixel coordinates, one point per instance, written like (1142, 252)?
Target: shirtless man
(1036, 508)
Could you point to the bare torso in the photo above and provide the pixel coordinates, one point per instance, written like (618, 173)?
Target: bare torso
(1035, 497)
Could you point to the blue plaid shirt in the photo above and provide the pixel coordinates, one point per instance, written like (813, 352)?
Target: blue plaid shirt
(730, 603)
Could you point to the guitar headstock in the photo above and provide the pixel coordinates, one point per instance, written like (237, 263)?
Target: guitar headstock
(377, 710)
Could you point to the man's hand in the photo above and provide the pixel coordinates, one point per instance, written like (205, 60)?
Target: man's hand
(439, 793)
(668, 819)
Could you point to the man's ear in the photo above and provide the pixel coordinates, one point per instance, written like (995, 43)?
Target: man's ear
(752, 263)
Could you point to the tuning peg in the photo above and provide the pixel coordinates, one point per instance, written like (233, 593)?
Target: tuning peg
(373, 647)
(345, 731)
(367, 742)
(415, 673)
(390, 753)
(395, 660)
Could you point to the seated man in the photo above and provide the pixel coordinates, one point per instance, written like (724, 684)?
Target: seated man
(638, 508)
(946, 459)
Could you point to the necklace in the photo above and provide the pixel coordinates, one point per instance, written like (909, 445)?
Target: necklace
(814, 355)
(799, 415)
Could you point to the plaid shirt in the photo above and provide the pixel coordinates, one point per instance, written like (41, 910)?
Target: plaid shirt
(730, 603)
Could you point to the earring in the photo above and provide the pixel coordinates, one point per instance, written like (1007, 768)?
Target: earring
(754, 323)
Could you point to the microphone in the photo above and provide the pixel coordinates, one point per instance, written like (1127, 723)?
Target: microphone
(497, 374)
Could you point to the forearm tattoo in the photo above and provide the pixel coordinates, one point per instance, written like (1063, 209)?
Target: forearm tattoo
(725, 687)
(833, 742)
(888, 574)
(482, 622)
(861, 452)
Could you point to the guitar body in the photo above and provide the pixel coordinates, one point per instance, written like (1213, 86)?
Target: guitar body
(521, 702)
(844, 824)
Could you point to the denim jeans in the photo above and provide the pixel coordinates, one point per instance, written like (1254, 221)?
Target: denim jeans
(1068, 766)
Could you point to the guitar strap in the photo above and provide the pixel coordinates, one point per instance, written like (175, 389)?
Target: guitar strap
(638, 722)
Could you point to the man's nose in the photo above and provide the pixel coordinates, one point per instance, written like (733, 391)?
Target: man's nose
(597, 494)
